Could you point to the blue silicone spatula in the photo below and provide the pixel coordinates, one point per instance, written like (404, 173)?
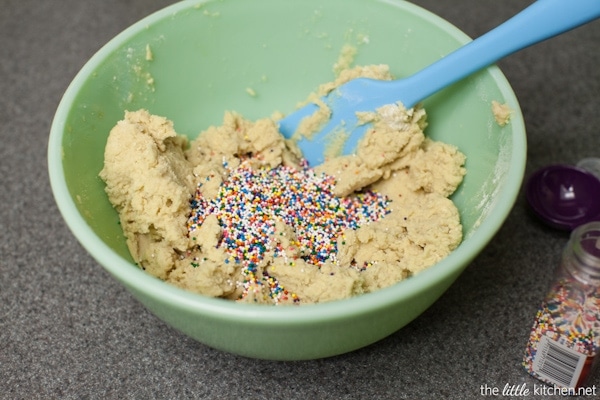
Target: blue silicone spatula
(540, 21)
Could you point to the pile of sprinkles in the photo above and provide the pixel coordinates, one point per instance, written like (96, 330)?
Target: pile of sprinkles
(251, 200)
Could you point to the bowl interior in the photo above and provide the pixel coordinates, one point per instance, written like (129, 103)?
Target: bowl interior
(195, 60)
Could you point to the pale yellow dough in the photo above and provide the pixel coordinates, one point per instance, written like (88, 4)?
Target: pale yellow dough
(502, 113)
(151, 174)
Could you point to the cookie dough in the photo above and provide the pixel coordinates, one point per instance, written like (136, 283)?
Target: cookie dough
(502, 113)
(167, 191)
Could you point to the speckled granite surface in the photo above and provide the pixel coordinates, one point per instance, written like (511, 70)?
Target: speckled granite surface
(68, 330)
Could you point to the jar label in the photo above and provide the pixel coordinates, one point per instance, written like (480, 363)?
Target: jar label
(556, 363)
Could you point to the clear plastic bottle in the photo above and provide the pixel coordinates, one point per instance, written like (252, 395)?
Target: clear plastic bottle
(564, 345)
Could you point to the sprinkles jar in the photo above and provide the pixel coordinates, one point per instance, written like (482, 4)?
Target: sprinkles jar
(564, 344)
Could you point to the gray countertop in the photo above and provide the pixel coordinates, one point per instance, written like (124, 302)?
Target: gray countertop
(69, 330)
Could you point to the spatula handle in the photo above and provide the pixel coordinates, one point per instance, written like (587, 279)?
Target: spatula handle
(542, 20)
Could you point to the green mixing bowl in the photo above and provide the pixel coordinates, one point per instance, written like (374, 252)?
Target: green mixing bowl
(194, 60)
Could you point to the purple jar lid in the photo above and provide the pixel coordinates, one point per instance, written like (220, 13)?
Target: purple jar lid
(564, 196)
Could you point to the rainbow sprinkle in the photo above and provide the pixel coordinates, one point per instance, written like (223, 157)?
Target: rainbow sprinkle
(569, 316)
(251, 200)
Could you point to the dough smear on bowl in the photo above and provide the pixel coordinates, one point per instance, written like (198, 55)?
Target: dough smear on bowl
(237, 214)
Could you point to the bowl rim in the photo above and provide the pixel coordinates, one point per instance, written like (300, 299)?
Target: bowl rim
(140, 281)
